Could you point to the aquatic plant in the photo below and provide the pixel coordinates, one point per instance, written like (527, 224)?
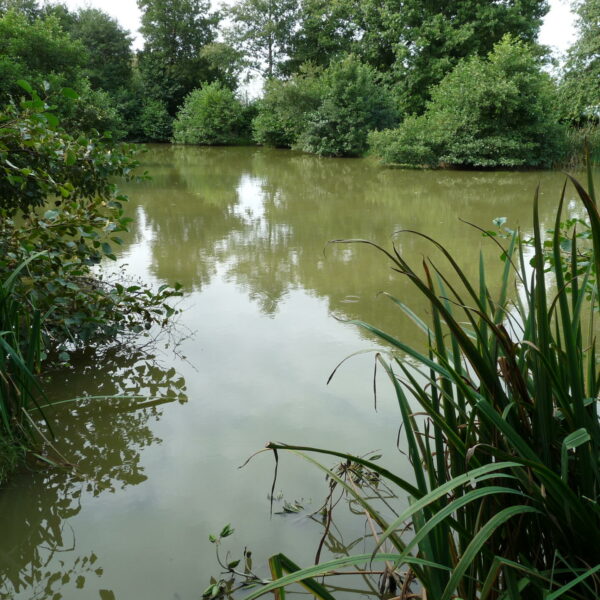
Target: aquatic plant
(499, 417)
(20, 349)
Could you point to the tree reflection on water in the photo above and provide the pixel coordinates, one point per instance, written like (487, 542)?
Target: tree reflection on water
(104, 439)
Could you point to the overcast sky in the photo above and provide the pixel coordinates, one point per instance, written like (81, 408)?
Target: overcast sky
(558, 29)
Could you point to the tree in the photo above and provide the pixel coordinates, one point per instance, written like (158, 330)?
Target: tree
(325, 30)
(284, 108)
(352, 103)
(175, 32)
(28, 8)
(211, 115)
(499, 111)
(420, 42)
(225, 63)
(37, 51)
(262, 30)
(581, 85)
(109, 49)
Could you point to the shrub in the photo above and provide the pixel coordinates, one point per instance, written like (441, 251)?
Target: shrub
(499, 111)
(411, 144)
(57, 198)
(156, 124)
(93, 110)
(352, 103)
(211, 115)
(282, 112)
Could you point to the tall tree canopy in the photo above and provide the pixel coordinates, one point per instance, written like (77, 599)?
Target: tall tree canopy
(415, 42)
(175, 32)
(262, 29)
(36, 51)
(581, 87)
(325, 30)
(109, 47)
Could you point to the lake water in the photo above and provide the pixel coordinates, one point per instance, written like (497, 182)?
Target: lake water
(245, 231)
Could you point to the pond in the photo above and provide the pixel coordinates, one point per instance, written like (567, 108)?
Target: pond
(245, 231)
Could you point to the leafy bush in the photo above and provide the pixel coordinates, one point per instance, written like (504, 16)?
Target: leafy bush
(155, 122)
(501, 111)
(93, 110)
(57, 198)
(410, 144)
(38, 51)
(352, 103)
(283, 110)
(211, 115)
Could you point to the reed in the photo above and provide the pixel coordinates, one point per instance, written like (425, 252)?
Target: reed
(20, 391)
(500, 421)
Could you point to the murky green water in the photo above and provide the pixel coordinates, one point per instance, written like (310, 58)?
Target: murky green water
(245, 231)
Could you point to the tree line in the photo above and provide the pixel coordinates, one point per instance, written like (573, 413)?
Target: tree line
(458, 82)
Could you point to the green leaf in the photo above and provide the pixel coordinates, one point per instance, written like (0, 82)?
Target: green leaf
(573, 440)
(320, 569)
(68, 92)
(25, 85)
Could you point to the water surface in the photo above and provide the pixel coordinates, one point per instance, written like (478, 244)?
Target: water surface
(245, 231)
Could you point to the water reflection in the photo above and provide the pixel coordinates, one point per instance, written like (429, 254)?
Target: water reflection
(104, 439)
(263, 217)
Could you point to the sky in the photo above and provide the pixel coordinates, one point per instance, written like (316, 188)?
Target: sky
(558, 30)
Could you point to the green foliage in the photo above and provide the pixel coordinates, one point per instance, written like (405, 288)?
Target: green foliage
(501, 111)
(352, 103)
(324, 31)
(579, 141)
(500, 421)
(28, 8)
(155, 122)
(37, 51)
(20, 349)
(171, 63)
(58, 198)
(262, 30)
(210, 115)
(109, 57)
(422, 42)
(580, 90)
(283, 110)
(93, 110)
(225, 63)
(411, 144)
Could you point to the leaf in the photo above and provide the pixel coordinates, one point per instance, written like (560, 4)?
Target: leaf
(320, 569)
(51, 119)
(25, 85)
(68, 92)
(572, 441)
